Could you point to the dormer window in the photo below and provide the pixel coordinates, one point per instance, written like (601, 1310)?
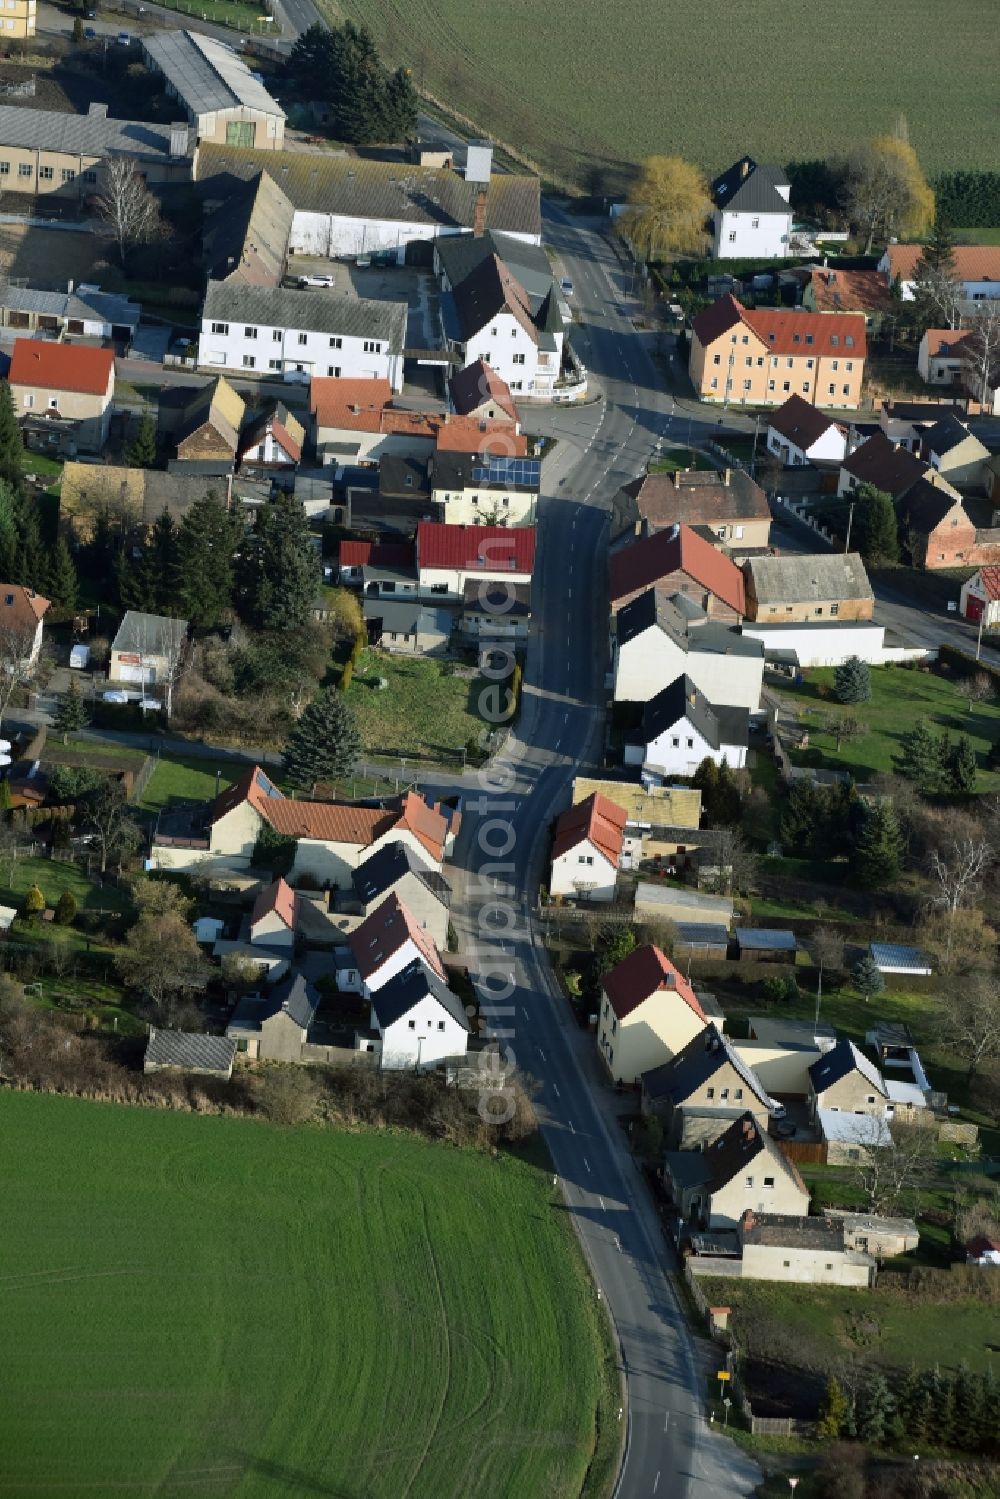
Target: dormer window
(834, 340)
(809, 338)
(849, 340)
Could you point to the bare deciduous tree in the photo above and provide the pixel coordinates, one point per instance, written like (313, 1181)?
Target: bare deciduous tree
(161, 960)
(885, 191)
(109, 818)
(127, 207)
(981, 350)
(957, 869)
(886, 1173)
(17, 642)
(828, 946)
(971, 1019)
(957, 941)
(736, 862)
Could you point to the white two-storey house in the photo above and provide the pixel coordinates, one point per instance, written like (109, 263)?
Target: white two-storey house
(753, 217)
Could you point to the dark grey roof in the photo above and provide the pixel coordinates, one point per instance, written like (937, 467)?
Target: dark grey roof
(460, 254)
(92, 134)
(401, 476)
(149, 634)
(792, 1232)
(839, 1062)
(945, 434)
(751, 187)
(503, 600)
(412, 984)
(82, 303)
(801, 422)
(408, 616)
(294, 995)
(764, 939)
(458, 471)
(189, 1049)
(682, 699)
(387, 866)
(248, 234)
(925, 505)
(701, 934)
(878, 461)
(694, 1064)
(685, 623)
(812, 578)
(312, 311)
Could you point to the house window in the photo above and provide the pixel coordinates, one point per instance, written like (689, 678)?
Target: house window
(67, 173)
(787, 385)
(690, 744)
(849, 365)
(755, 223)
(242, 1045)
(849, 341)
(805, 386)
(371, 347)
(303, 338)
(714, 385)
(518, 359)
(787, 1264)
(276, 335)
(29, 400)
(809, 364)
(274, 364)
(769, 1181)
(870, 1098)
(834, 610)
(834, 340)
(835, 364)
(249, 362)
(53, 403)
(676, 743)
(513, 333)
(413, 1025)
(737, 1093)
(46, 174)
(724, 1094)
(716, 358)
(90, 177)
(249, 332)
(24, 170)
(746, 338)
(770, 384)
(833, 390)
(796, 339)
(709, 1092)
(749, 361)
(493, 334)
(220, 327)
(790, 364)
(846, 389)
(732, 236)
(333, 370)
(440, 1025)
(336, 343)
(748, 1181)
(747, 384)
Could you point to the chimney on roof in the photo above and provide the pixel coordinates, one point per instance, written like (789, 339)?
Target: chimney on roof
(479, 162)
(69, 287)
(677, 478)
(479, 214)
(727, 477)
(97, 112)
(745, 167)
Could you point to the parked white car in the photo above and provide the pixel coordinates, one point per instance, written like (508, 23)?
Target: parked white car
(316, 281)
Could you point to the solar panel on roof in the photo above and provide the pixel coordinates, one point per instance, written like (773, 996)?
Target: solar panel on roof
(524, 471)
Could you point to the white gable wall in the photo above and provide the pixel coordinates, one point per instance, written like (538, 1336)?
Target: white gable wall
(583, 866)
(424, 1036)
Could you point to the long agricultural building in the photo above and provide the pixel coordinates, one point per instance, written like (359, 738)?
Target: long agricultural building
(48, 152)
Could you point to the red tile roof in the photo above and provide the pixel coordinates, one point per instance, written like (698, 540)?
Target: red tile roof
(53, 366)
(597, 820)
(376, 554)
(989, 577)
(329, 822)
(645, 972)
(679, 549)
(431, 825)
(385, 931)
(21, 607)
(945, 342)
(484, 549)
(468, 434)
(355, 405)
(782, 331)
(478, 385)
(972, 262)
(285, 440)
(365, 406)
(278, 897)
(253, 786)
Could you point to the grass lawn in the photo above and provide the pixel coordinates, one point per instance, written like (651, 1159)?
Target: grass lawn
(96, 749)
(844, 1009)
(669, 463)
(224, 1305)
(190, 778)
(52, 877)
(900, 699)
(424, 711)
(824, 1320)
(978, 236)
(42, 465)
(596, 110)
(235, 13)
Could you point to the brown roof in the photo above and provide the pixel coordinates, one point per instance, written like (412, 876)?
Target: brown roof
(947, 343)
(430, 824)
(278, 897)
(365, 406)
(882, 463)
(972, 262)
(329, 822)
(678, 549)
(645, 972)
(698, 497)
(487, 291)
(782, 331)
(801, 423)
(598, 820)
(354, 405)
(467, 434)
(849, 291)
(478, 384)
(926, 504)
(385, 931)
(253, 786)
(21, 608)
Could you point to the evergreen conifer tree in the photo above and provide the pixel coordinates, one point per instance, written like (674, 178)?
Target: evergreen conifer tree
(8, 532)
(852, 681)
(961, 765)
(920, 760)
(206, 561)
(141, 451)
(11, 445)
(834, 1411)
(278, 570)
(866, 977)
(71, 712)
(878, 849)
(875, 1410)
(61, 583)
(876, 528)
(968, 1407)
(324, 744)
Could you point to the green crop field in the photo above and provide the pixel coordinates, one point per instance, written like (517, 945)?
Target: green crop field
(583, 84)
(220, 1306)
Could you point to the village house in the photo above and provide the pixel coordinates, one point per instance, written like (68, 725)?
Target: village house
(648, 1013)
(954, 451)
(680, 728)
(80, 312)
(802, 589)
(977, 267)
(394, 559)
(354, 422)
(941, 355)
(873, 1234)
(19, 23)
(804, 1250)
(386, 942)
(478, 390)
(843, 1080)
(657, 639)
(449, 557)
(980, 598)
(700, 1091)
(394, 869)
(224, 101)
(742, 1170)
(468, 490)
(662, 823)
(760, 356)
(271, 331)
(864, 292)
(587, 850)
(678, 561)
(417, 1021)
(753, 216)
(189, 1051)
(345, 206)
(272, 440)
(907, 422)
(146, 651)
(66, 386)
(495, 611)
(407, 626)
(275, 1027)
(888, 465)
(728, 504)
(203, 427)
(245, 238)
(275, 916)
(936, 527)
(800, 434)
(22, 616)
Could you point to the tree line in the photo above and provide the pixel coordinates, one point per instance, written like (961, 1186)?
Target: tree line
(365, 101)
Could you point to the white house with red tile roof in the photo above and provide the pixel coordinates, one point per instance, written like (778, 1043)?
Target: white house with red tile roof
(275, 915)
(67, 382)
(384, 944)
(450, 556)
(22, 612)
(587, 849)
(648, 1013)
(331, 838)
(273, 440)
(976, 266)
(980, 598)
